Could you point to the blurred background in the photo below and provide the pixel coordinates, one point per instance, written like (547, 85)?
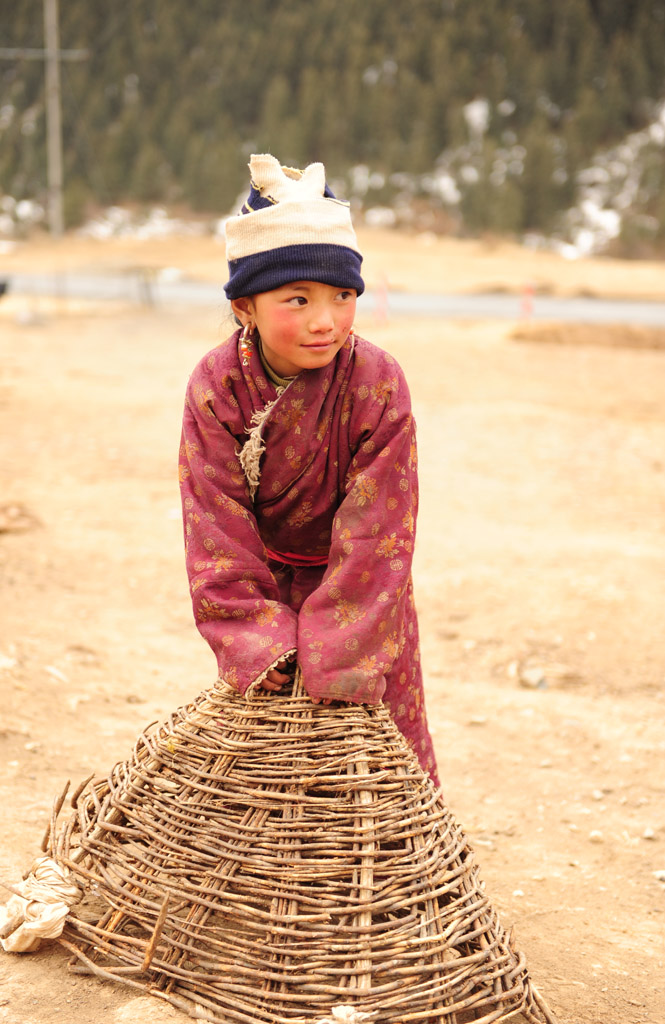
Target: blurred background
(517, 117)
(505, 161)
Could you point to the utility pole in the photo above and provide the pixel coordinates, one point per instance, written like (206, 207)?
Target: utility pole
(53, 120)
(52, 55)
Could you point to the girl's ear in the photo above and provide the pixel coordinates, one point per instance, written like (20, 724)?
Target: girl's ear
(243, 309)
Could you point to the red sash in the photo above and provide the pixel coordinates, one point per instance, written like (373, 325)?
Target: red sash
(291, 558)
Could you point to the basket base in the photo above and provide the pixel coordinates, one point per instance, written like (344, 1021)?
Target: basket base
(270, 861)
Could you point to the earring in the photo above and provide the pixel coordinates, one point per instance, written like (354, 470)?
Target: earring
(247, 332)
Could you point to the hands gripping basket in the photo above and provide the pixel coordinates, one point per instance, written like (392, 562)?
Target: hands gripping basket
(276, 862)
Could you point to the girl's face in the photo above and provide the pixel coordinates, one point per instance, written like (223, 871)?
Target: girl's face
(302, 325)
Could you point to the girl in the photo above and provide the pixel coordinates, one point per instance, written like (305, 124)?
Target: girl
(298, 468)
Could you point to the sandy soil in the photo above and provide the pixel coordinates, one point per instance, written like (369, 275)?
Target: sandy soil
(540, 576)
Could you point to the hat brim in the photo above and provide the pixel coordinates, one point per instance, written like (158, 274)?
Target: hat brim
(335, 265)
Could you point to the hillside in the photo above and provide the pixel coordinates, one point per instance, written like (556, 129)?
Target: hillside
(424, 113)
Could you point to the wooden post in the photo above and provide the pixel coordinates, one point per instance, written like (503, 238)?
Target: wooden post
(53, 119)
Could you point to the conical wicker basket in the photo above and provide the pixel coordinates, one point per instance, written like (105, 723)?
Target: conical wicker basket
(275, 861)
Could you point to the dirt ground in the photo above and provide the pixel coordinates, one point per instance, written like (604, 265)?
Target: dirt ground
(540, 581)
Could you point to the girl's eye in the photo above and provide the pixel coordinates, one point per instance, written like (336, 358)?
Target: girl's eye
(297, 300)
(345, 296)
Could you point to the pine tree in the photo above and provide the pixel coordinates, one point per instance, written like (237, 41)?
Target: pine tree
(174, 95)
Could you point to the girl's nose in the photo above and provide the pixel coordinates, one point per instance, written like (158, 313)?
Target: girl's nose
(321, 318)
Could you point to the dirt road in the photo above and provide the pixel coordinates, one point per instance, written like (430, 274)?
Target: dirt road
(540, 577)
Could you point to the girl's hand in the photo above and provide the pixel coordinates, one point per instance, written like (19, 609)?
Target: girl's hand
(275, 679)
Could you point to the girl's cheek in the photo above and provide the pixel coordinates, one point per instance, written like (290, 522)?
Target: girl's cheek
(348, 320)
(285, 323)
(350, 314)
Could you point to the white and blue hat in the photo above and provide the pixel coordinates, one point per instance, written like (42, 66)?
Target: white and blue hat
(291, 228)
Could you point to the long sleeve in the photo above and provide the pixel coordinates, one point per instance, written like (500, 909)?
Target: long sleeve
(354, 626)
(234, 594)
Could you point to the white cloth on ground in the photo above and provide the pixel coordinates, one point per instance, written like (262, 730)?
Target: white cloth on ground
(38, 907)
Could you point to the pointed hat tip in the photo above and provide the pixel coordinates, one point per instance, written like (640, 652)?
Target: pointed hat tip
(272, 179)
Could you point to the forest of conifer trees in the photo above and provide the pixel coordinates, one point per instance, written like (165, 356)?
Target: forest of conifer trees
(481, 113)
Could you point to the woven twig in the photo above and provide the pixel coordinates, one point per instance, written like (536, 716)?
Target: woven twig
(276, 862)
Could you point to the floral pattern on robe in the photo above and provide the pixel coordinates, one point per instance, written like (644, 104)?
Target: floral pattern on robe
(338, 482)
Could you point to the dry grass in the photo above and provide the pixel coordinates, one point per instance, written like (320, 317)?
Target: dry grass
(598, 335)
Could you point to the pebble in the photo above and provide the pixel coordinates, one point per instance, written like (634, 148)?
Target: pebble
(596, 836)
(6, 663)
(56, 673)
(533, 678)
(598, 794)
(74, 701)
(660, 875)
(648, 834)
(518, 892)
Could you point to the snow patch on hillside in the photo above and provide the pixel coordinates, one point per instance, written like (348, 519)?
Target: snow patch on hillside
(619, 187)
(615, 187)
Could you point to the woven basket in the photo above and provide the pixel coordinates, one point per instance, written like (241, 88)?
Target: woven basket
(276, 862)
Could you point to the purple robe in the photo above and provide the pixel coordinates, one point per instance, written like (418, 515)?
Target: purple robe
(314, 558)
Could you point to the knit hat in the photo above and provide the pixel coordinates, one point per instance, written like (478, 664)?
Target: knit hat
(291, 228)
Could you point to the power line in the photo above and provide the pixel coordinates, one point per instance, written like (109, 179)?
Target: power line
(31, 52)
